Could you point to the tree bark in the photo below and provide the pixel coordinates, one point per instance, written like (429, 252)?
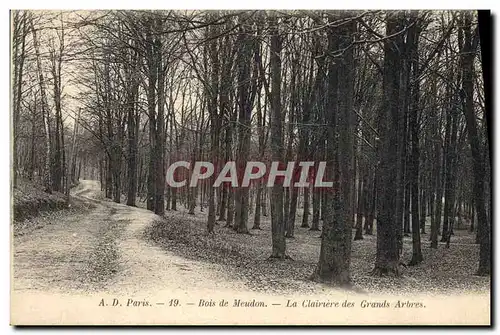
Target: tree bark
(45, 113)
(412, 42)
(277, 223)
(478, 164)
(159, 205)
(334, 260)
(387, 257)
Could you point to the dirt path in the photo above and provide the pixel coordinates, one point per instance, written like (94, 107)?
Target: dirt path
(104, 251)
(73, 270)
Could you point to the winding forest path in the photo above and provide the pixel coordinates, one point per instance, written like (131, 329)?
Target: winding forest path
(97, 268)
(105, 251)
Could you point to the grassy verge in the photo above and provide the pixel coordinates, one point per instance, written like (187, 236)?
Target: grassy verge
(33, 208)
(29, 200)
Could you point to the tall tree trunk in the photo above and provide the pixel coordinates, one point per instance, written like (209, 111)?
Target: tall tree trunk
(316, 202)
(258, 198)
(305, 215)
(412, 42)
(316, 197)
(18, 85)
(245, 104)
(74, 149)
(387, 257)
(293, 208)
(45, 113)
(230, 210)
(57, 171)
(151, 100)
(159, 205)
(423, 209)
(468, 54)
(109, 178)
(261, 122)
(277, 223)
(436, 173)
(133, 121)
(359, 207)
(370, 213)
(214, 124)
(334, 260)
(290, 209)
(132, 144)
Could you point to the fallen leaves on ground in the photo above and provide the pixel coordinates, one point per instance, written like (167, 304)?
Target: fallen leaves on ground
(246, 256)
(40, 219)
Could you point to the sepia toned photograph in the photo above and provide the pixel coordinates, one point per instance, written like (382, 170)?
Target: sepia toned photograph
(251, 167)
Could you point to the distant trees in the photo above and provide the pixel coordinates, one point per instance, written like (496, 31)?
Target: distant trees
(47, 171)
(21, 21)
(39, 132)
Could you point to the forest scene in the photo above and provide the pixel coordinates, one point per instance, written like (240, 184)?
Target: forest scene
(103, 102)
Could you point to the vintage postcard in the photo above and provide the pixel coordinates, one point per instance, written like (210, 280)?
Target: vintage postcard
(251, 167)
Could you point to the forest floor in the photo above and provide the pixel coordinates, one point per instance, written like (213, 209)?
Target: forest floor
(29, 200)
(246, 258)
(101, 246)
